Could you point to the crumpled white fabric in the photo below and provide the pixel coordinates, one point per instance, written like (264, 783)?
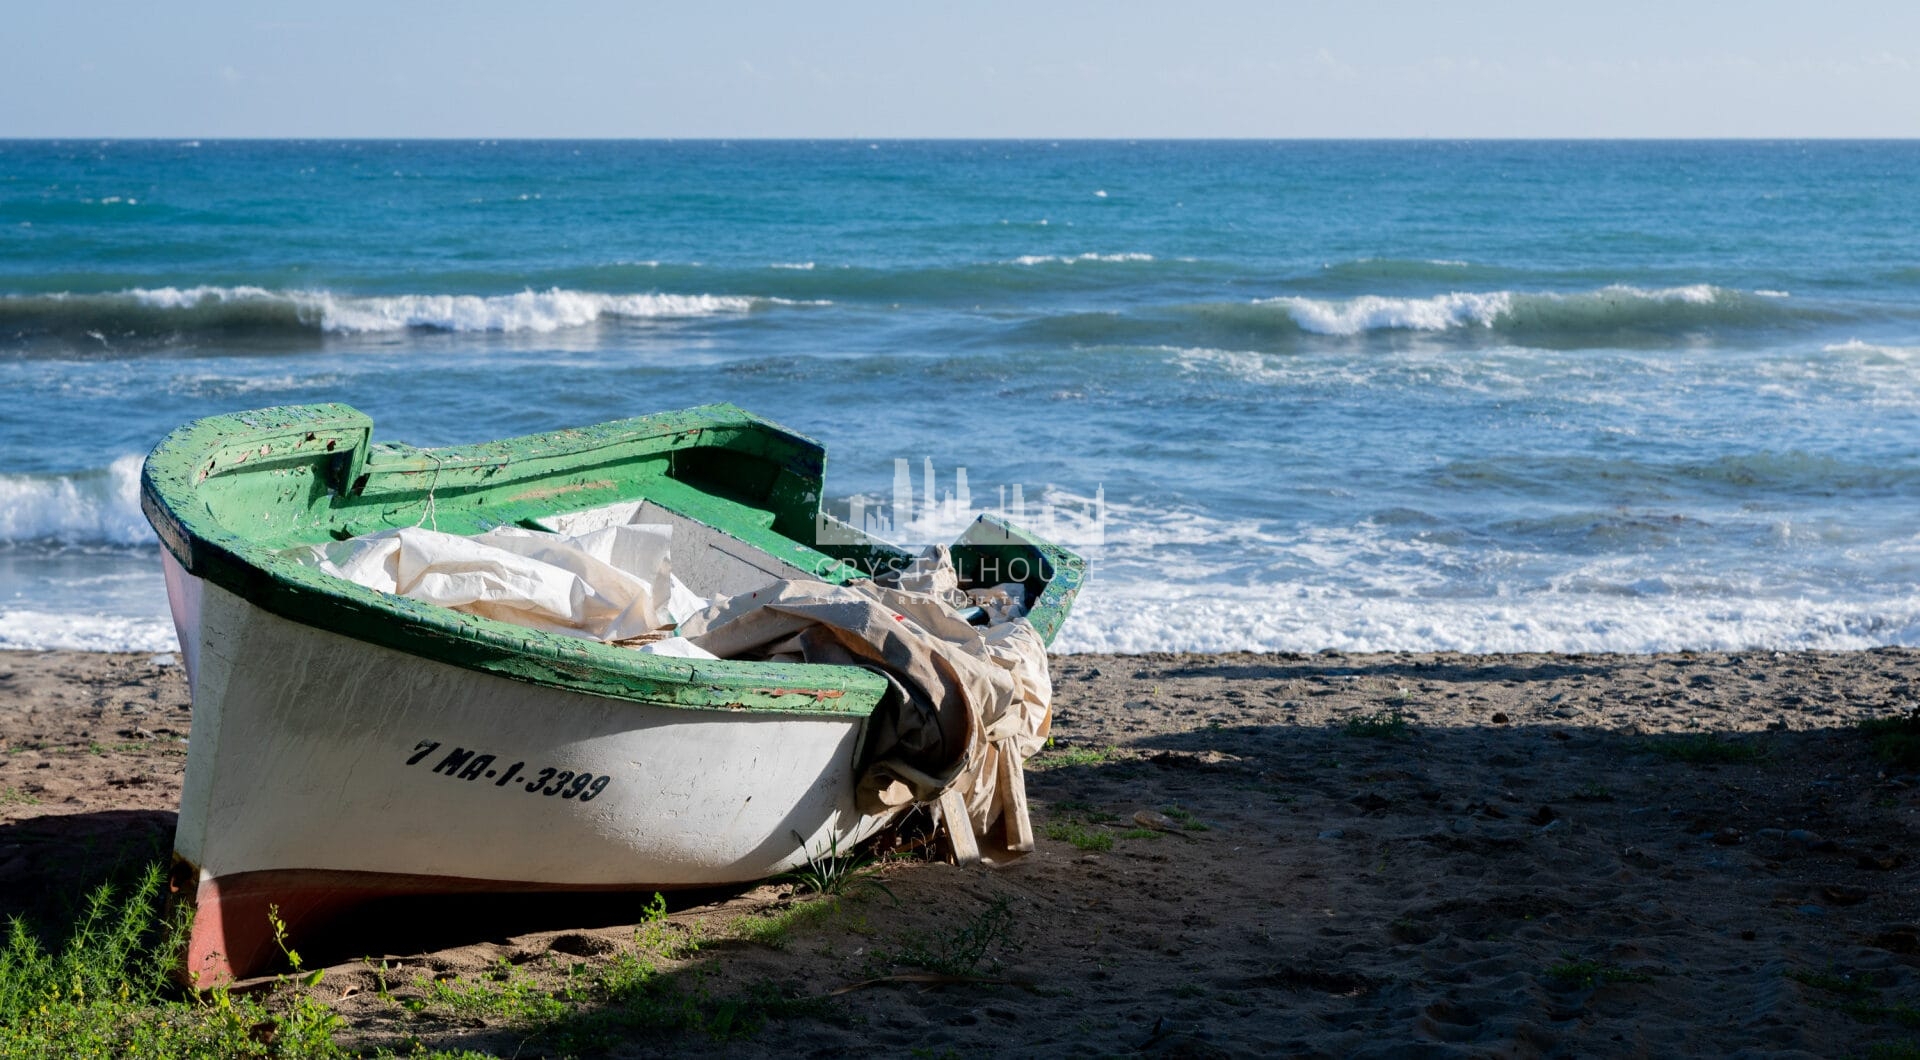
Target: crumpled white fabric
(613, 584)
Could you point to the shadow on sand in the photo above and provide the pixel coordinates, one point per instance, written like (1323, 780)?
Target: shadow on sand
(1517, 888)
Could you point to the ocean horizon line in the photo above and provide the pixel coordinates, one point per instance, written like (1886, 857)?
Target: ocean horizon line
(955, 139)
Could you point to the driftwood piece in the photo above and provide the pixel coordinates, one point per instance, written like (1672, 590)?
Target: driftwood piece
(1013, 804)
(960, 838)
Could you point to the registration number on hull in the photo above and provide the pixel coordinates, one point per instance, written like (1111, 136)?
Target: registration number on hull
(462, 763)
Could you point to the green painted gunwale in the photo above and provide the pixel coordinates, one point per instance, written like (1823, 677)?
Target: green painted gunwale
(228, 495)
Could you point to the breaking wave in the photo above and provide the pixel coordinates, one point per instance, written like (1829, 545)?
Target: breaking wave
(254, 310)
(100, 506)
(1614, 308)
(1614, 315)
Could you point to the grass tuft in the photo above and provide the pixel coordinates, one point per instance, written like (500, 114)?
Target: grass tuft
(961, 951)
(1379, 725)
(1895, 740)
(1081, 836)
(1702, 749)
(834, 874)
(1835, 983)
(108, 992)
(772, 929)
(1071, 756)
(1859, 996)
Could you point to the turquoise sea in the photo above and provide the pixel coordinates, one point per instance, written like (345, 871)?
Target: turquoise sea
(1486, 396)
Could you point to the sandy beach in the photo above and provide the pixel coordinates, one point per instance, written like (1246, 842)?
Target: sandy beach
(1382, 854)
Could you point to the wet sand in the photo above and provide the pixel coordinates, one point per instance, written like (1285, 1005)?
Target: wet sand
(1543, 855)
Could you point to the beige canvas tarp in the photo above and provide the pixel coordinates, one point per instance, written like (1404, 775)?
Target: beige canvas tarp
(967, 707)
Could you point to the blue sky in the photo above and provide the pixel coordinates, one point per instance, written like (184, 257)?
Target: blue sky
(1228, 68)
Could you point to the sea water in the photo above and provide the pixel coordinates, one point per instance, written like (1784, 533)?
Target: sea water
(1489, 396)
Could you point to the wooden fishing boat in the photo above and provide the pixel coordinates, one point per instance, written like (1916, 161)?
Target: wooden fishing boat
(349, 744)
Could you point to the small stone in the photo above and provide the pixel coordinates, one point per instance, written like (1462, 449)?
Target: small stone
(1500, 717)
(1811, 840)
(1159, 822)
(1727, 837)
(1639, 858)
(1811, 910)
(1771, 833)
(1845, 893)
(1333, 833)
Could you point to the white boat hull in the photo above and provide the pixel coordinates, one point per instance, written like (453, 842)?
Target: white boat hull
(323, 770)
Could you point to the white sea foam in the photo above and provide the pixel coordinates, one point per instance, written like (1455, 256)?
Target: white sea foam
(1463, 309)
(49, 631)
(526, 311)
(1139, 617)
(1694, 294)
(1873, 349)
(535, 311)
(194, 297)
(1069, 259)
(101, 506)
(1375, 313)
(224, 385)
(1185, 580)
(802, 266)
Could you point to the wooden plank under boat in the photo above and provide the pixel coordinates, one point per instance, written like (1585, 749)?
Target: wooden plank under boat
(350, 744)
